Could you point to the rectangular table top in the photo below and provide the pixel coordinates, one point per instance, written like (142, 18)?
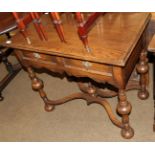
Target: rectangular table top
(112, 38)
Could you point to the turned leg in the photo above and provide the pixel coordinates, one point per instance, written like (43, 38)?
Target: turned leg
(142, 69)
(38, 85)
(8, 65)
(124, 109)
(9, 68)
(12, 70)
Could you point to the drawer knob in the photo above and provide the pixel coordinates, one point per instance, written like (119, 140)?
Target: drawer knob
(37, 55)
(8, 42)
(87, 64)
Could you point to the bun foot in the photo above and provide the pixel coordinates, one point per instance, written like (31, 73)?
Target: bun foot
(143, 94)
(127, 133)
(49, 108)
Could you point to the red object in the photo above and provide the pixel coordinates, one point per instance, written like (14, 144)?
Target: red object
(21, 26)
(85, 26)
(58, 25)
(38, 25)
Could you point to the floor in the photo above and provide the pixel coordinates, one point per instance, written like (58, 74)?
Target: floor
(23, 118)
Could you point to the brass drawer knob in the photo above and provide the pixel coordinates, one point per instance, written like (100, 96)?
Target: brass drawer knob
(86, 64)
(37, 55)
(8, 42)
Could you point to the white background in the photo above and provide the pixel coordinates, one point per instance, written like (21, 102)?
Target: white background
(78, 5)
(78, 148)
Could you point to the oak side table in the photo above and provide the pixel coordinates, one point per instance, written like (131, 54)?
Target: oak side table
(118, 45)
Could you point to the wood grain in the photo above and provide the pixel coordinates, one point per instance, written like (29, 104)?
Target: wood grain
(108, 39)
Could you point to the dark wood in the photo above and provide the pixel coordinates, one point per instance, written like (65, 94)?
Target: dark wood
(6, 18)
(118, 41)
(7, 25)
(12, 71)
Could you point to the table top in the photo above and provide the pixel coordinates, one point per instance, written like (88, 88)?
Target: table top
(112, 38)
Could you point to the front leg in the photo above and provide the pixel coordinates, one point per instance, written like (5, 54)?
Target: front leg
(38, 85)
(124, 109)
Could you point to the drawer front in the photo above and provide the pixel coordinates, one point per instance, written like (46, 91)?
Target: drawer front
(79, 68)
(39, 56)
(83, 65)
(73, 67)
(87, 66)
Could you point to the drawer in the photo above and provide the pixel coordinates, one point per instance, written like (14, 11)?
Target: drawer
(88, 66)
(74, 67)
(40, 56)
(69, 64)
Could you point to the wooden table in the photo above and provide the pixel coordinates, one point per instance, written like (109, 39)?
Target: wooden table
(117, 42)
